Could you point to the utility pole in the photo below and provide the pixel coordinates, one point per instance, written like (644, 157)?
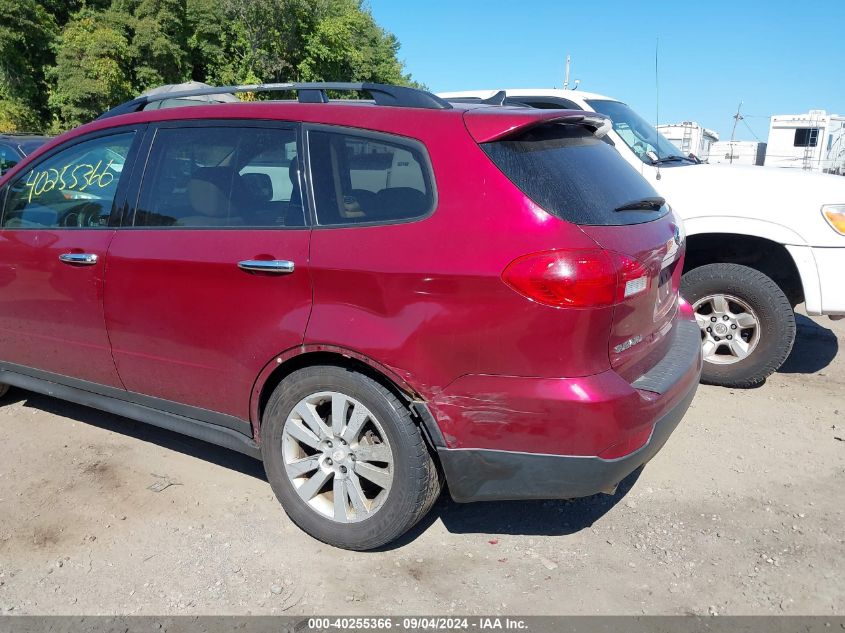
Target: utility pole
(737, 118)
(566, 74)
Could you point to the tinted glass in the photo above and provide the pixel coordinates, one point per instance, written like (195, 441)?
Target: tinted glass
(221, 177)
(574, 175)
(8, 158)
(359, 179)
(72, 189)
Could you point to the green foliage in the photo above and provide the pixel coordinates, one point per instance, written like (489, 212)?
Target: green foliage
(348, 45)
(209, 42)
(91, 70)
(26, 32)
(16, 115)
(270, 35)
(159, 44)
(63, 62)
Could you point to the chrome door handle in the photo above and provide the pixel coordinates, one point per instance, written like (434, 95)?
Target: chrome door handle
(275, 266)
(82, 259)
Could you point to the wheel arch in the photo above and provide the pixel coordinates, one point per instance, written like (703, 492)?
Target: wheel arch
(291, 360)
(761, 251)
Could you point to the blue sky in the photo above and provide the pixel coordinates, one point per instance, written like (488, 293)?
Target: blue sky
(777, 57)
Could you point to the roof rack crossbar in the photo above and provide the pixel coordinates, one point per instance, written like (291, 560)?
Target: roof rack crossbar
(314, 92)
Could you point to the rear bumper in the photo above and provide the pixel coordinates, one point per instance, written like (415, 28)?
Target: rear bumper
(559, 444)
(488, 475)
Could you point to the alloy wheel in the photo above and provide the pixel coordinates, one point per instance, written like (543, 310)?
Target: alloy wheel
(730, 328)
(337, 456)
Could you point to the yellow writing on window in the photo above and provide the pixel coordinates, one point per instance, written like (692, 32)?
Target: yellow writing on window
(77, 177)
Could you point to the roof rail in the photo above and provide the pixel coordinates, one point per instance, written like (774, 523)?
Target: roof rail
(384, 95)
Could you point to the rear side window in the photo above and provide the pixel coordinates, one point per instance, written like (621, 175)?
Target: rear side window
(206, 177)
(573, 175)
(361, 179)
(73, 188)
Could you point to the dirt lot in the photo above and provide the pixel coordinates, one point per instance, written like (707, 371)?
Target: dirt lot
(741, 513)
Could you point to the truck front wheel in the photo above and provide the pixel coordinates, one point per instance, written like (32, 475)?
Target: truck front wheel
(747, 323)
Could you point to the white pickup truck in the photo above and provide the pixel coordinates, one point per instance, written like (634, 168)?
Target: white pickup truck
(759, 240)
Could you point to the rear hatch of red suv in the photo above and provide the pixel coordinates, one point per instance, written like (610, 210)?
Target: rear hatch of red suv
(564, 164)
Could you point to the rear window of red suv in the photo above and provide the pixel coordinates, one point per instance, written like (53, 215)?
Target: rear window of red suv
(574, 175)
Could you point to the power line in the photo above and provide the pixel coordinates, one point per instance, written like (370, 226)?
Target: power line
(745, 123)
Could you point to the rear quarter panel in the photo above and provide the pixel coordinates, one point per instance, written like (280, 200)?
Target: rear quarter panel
(425, 297)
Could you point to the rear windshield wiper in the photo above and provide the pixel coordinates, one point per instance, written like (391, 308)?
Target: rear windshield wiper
(671, 158)
(644, 204)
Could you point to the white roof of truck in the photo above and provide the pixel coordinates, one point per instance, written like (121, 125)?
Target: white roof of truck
(540, 92)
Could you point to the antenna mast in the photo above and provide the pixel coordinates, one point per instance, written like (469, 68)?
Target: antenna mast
(566, 73)
(737, 118)
(657, 99)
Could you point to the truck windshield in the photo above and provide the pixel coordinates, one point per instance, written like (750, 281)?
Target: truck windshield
(647, 143)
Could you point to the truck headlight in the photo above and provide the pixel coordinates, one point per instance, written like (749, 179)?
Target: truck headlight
(835, 216)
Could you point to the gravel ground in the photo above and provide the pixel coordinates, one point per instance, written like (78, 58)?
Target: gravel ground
(741, 513)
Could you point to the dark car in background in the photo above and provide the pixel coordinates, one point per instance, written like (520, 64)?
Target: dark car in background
(16, 147)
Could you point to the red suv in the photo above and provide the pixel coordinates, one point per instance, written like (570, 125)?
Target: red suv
(370, 296)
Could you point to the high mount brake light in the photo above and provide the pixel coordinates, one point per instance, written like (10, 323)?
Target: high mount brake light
(577, 278)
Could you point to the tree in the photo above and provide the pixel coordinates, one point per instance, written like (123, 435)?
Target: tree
(159, 43)
(348, 45)
(270, 36)
(61, 10)
(63, 62)
(92, 68)
(210, 39)
(26, 32)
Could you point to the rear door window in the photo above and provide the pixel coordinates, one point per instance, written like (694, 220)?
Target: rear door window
(231, 176)
(74, 188)
(574, 175)
(368, 179)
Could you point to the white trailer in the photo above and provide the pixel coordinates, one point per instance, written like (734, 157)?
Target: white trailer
(814, 141)
(737, 153)
(690, 138)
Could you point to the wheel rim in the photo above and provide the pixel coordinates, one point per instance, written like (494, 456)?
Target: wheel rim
(337, 457)
(730, 328)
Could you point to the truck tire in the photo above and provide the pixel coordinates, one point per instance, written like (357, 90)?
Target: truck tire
(747, 323)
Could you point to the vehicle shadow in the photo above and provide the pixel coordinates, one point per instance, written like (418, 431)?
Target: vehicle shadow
(525, 518)
(537, 518)
(815, 348)
(140, 431)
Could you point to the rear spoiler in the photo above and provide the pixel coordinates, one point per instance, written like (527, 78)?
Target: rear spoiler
(487, 124)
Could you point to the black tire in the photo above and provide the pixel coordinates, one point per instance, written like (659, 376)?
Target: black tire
(4, 389)
(416, 482)
(775, 313)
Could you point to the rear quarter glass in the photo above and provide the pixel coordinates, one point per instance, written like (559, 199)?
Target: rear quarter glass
(573, 175)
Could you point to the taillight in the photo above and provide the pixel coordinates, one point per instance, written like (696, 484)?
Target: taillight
(577, 278)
